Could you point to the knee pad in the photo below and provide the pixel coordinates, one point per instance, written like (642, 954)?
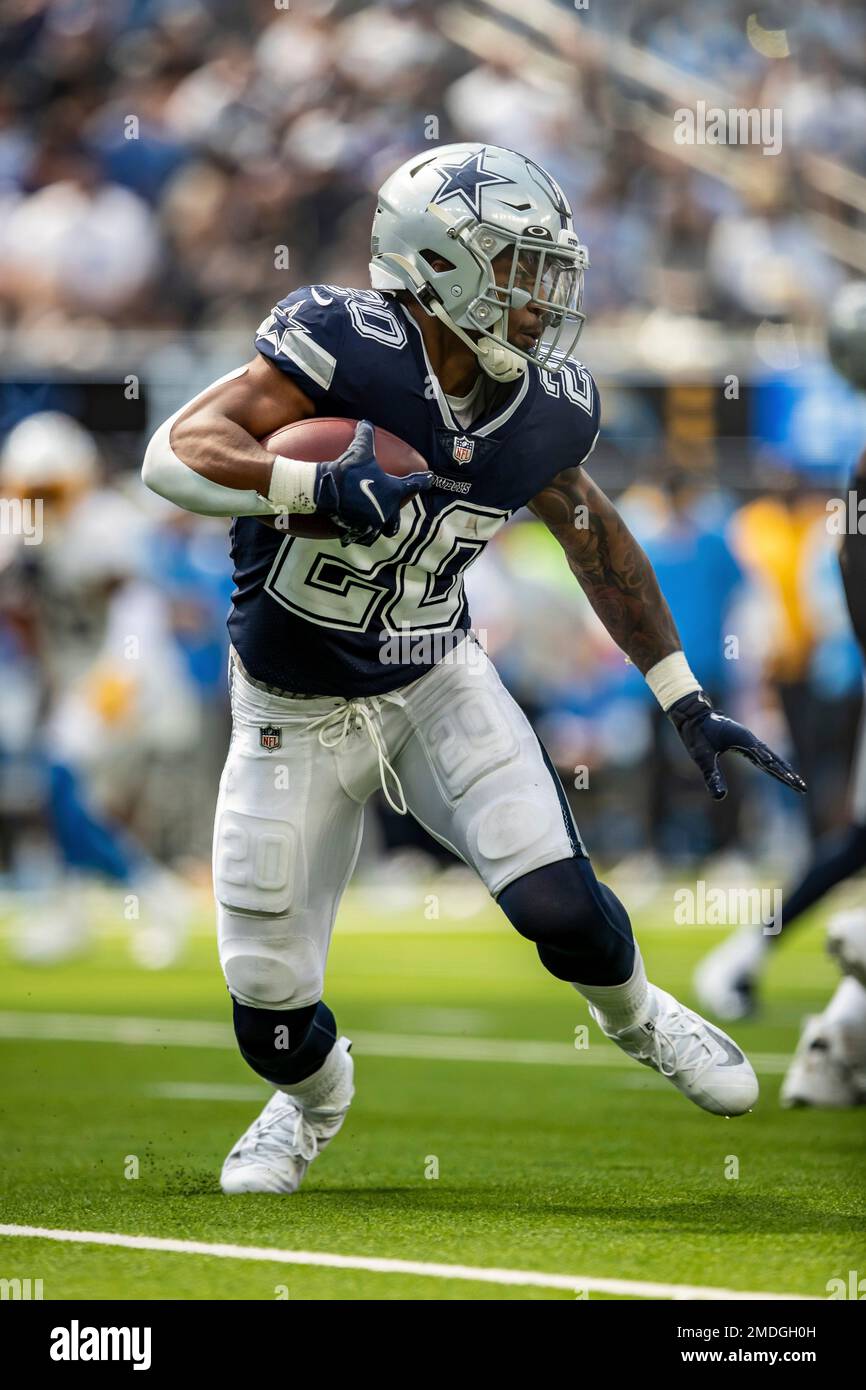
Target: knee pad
(512, 824)
(269, 962)
(274, 969)
(509, 834)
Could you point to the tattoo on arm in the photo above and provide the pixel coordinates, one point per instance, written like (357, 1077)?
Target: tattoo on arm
(610, 566)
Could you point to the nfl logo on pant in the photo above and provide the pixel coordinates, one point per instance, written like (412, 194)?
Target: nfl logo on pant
(271, 737)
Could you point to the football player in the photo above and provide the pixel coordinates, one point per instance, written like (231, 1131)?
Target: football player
(97, 717)
(829, 1066)
(463, 348)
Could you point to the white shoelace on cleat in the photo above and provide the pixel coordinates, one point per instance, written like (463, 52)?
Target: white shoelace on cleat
(296, 1137)
(679, 1026)
(335, 726)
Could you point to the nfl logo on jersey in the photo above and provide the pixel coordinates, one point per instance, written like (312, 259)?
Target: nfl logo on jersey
(463, 448)
(271, 737)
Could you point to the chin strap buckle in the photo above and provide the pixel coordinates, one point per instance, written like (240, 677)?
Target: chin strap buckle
(498, 361)
(495, 357)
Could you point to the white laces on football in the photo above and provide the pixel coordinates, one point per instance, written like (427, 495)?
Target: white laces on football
(294, 1132)
(360, 714)
(666, 1042)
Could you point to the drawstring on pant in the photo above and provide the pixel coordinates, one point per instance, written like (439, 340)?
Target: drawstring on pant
(336, 724)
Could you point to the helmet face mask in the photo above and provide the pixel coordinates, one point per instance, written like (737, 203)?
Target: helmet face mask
(476, 232)
(544, 275)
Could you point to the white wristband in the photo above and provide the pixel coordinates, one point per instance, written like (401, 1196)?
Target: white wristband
(292, 485)
(671, 678)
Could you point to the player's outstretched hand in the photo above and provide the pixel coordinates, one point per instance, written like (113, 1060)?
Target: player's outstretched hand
(708, 734)
(363, 500)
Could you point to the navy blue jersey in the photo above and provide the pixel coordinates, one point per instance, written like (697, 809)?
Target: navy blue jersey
(314, 616)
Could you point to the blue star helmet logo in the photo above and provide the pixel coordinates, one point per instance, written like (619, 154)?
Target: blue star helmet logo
(465, 181)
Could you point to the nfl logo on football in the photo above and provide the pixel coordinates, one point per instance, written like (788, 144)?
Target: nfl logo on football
(463, 448)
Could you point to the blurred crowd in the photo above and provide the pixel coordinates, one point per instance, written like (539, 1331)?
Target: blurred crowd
(179, 165)
(112, 704)
(176, 163)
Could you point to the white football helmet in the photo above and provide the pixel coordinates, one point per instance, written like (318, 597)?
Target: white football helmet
(48, 450)
(465, 204)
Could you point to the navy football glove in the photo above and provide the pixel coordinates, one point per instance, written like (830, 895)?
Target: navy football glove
(361, 500)
(707, 735)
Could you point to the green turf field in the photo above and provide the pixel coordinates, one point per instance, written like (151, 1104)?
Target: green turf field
(575, 1163)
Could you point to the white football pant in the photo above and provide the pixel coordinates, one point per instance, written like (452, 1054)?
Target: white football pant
(452, 746)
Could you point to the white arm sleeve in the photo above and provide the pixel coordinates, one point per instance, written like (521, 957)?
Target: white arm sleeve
(167, 474)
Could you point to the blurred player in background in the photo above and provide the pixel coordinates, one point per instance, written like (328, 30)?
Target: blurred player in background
(107, 692)
(829, 1068)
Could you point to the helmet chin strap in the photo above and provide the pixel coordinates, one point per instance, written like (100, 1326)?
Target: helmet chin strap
(495, 358)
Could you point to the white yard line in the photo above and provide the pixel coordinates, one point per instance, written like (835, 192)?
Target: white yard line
(203, 1090)
(131, 1032)
(473, 1274)
(178, 1032)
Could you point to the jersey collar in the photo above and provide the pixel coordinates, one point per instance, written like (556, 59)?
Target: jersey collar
(484, 425)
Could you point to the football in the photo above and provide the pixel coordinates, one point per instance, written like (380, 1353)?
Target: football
(320, 439)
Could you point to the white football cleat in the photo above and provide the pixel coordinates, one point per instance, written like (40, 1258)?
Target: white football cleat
(828, 1070)
(727, 978)
(279, 1146)
(701, 1061)
(846, 942)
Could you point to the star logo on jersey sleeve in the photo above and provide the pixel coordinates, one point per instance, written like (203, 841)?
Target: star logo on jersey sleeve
(466, 181)
(287, 313)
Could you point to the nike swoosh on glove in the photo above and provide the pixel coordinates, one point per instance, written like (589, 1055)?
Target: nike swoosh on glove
(362, 500)
(708, 734)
